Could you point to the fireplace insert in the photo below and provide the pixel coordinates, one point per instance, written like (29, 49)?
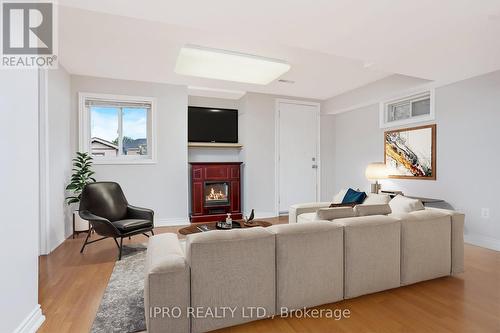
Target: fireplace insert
(216, 193)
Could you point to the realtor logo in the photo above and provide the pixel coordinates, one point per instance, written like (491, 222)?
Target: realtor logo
(28, 35)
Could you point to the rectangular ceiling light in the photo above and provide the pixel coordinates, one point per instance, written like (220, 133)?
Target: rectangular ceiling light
(230, 66)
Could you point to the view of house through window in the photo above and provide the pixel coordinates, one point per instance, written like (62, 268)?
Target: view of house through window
(119, 129)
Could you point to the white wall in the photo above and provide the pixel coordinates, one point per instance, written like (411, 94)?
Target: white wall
(213, 102)
(327, 151)
(467, 117)
(256, 131)
(19, 195)
(58, 220)
(371, 93)
(163, 186)
(257, 134)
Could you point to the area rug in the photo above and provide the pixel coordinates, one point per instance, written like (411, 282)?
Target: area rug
(122, 306)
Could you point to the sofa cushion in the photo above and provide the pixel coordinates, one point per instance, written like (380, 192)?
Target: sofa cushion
(337, 198)
(352, 204)
(306, 217)
(457, 239)
(366, 210)
(132, 224)
(376, 199)
(309, 264)
(231, 268)
(425, 245)
(334, 213)
(401, 204)
(371, 254)
(166, 283)
(310, 207)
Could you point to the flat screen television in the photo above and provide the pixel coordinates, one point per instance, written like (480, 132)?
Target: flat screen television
(212, 125)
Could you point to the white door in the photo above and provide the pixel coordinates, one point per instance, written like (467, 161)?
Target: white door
(297, 153)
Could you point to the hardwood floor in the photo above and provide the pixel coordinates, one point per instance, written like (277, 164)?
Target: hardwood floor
(72, 284)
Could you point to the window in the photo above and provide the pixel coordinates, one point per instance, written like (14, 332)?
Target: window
(410, 109)
(117, 129)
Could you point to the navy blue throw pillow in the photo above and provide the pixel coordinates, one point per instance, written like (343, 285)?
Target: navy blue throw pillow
(354, 197)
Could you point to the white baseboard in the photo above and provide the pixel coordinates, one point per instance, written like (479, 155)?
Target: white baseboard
(483, 241)
(32, 322)
(170, 222)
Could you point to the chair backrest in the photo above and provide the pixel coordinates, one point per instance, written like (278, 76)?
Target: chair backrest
(104, 199)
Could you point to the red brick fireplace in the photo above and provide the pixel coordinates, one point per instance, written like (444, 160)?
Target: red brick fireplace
(215, 191)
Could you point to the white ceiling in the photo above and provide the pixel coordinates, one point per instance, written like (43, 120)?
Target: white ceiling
(333, 45)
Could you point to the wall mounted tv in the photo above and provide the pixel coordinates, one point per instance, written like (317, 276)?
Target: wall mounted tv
(212, 125)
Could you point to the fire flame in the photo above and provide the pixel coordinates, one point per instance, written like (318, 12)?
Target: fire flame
(216, 195)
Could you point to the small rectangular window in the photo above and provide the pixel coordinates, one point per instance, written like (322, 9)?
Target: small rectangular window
(410, 109)
(117, 129)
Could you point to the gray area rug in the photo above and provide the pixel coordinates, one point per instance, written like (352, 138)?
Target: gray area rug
(122, 306)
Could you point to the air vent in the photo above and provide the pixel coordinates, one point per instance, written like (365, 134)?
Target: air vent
(286, 81)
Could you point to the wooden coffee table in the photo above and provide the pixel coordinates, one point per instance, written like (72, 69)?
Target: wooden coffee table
(193, 228)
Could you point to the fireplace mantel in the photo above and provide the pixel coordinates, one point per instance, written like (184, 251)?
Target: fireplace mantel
(206, 174)
(215, 145)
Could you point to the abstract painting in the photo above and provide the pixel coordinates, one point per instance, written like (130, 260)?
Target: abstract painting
(410, 153)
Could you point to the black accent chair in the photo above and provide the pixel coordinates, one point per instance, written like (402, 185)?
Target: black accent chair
(104, 205)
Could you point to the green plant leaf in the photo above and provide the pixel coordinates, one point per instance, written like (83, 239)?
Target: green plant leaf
(72, 200)
(81, 176)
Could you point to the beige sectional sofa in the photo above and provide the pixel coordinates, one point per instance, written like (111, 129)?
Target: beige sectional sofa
(291, 266)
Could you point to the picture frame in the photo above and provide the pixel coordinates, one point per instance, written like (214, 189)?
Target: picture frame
(410, 153)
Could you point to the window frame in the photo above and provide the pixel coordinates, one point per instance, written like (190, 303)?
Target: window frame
(409, 98)
(85, 123)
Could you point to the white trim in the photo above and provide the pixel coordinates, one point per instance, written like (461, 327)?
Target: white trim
(215, 93)
(216, 145)
(84, 126)
(97, 161)
(383, 123)
(419, 87)
(298, 102)
(171, 221)
(276, 148)
(483, 241)
(32, 322)
(43, 157)
(388, 96)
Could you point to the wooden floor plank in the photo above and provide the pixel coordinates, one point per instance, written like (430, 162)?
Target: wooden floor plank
(72, 284)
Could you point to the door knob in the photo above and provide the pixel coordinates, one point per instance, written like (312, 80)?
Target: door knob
(314, 166)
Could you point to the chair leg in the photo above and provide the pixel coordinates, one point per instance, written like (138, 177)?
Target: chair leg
(117, 245)
(152, 232)
(85, 243)
(121, 247)
(145, 234)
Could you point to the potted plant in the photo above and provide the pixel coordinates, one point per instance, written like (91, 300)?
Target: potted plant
(82, 175)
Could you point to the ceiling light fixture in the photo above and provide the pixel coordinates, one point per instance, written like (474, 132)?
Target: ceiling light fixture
(228, 65)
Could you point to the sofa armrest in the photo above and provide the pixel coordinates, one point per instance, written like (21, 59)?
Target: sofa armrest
(457, 239)
(311, 207)
(166, 286)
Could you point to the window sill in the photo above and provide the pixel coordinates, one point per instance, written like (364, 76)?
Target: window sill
(124, 162)
(408, 121)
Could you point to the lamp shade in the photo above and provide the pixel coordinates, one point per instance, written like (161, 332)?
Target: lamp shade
(376, 171)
